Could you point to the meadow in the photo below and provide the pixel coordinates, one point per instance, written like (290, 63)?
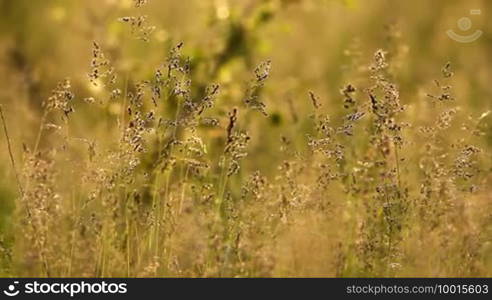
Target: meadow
(259, 138)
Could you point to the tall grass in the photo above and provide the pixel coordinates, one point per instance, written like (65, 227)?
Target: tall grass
(173, 179)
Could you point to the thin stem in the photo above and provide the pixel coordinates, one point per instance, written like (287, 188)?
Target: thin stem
(128, 249)
(40, 131)
(183, 190)
(397, 161)
(222, 185)
(123, 110)
(156, 211)
(9, 147)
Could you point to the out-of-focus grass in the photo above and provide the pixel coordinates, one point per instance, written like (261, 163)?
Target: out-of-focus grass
(291, 209)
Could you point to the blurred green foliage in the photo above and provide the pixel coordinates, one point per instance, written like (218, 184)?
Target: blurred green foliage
(314, 45)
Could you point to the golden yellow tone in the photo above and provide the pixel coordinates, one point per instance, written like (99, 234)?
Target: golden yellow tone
(227, 138)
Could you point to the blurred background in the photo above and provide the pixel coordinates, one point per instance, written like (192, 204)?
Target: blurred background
(314, 45)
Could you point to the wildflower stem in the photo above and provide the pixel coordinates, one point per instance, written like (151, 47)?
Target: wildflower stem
(397, 163)
(9, 148)
(40, 131)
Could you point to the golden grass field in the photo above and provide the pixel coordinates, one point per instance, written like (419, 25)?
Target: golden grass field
(227, 138)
